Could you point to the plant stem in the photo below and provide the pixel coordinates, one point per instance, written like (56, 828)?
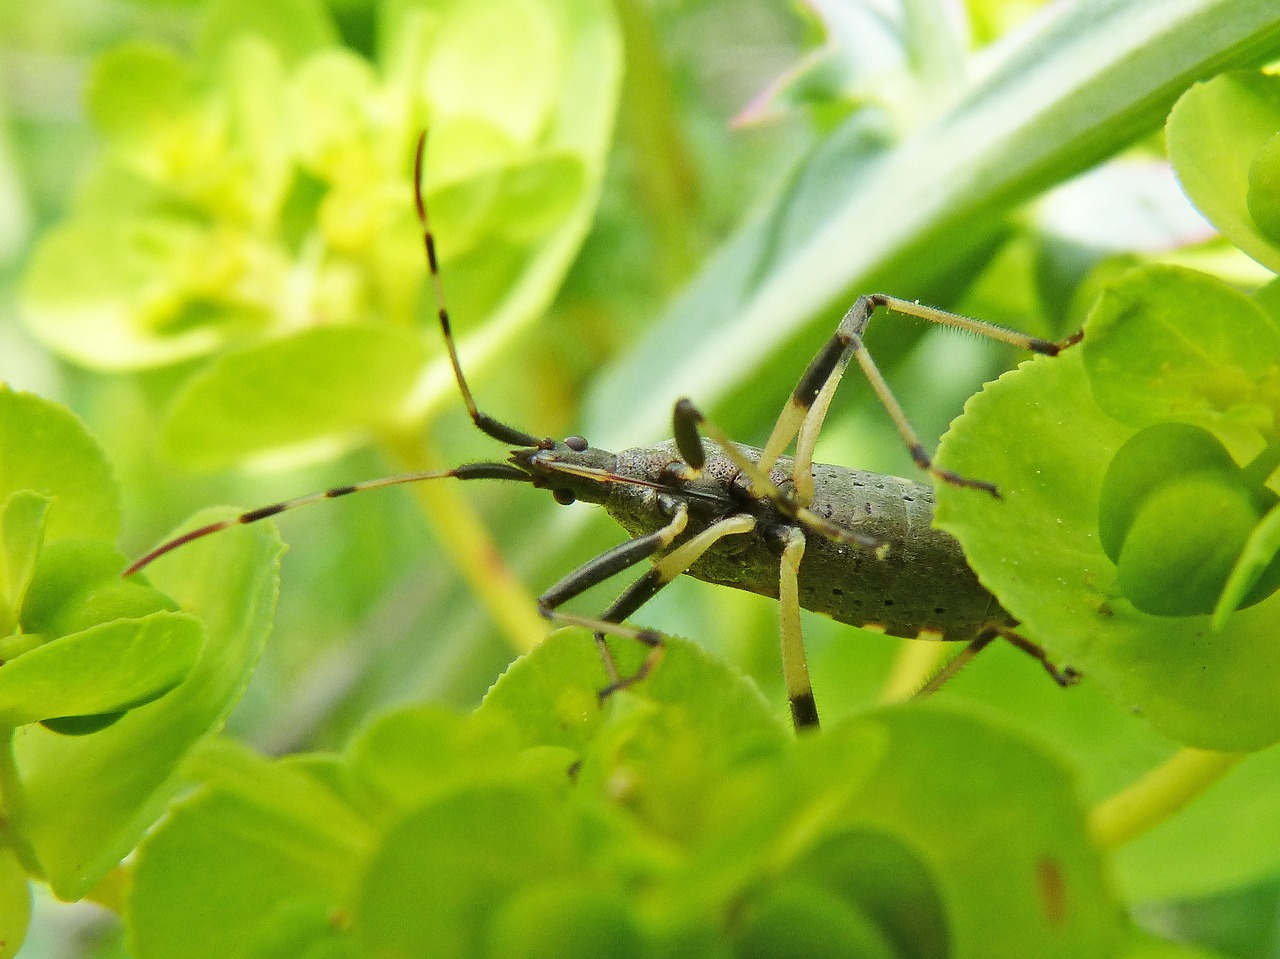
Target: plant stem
(472, 551)
(112, 890)
(913, 666)
(649, 125)
(1159, 794)
(13, 804)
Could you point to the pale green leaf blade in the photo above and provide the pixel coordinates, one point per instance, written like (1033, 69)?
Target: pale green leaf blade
(15, 904)
(1148, 363)
(1066, 90)
(1014, 867)
(104, 669)
(1038, 550)
(1214, 133)
(267, 864)
(22, 522)
(324, 385)
(46, 449)
(294, 28)
(91, 798)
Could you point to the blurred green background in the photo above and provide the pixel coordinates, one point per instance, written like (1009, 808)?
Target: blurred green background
(740, 126)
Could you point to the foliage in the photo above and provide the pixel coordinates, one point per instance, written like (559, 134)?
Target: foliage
(239, 283)
(682, 821)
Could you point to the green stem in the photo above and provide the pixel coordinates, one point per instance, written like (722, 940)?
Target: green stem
(472, 551)
(915, 664)
(649, 124)
(1158, 795)
(13, 807)
(1264, 464)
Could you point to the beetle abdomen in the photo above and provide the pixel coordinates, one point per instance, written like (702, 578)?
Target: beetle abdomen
(923, 588)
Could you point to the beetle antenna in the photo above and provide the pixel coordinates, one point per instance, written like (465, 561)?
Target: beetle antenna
(486, 423)
(499, 471)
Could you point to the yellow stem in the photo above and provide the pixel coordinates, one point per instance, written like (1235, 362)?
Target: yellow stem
(914, 665)
(13, 807)
(112, 890)
(473, 552)
(1158, 795)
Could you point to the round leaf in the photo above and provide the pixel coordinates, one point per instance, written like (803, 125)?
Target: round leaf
(566, 919)
(552, 695)
(1170, 344)
(1012, 864)
(1038, 550)
(1214, 133)
(1264, 190)
(327, 384)
(809, 920)
(106, 668)
(462, 853)
(92, 798)
(1183, 544)
(46, 449)
(266, 872)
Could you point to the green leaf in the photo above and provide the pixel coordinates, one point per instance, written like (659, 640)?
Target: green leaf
(805, 919)
(503, 61)
(22, 522)
(463, 853)
(107, 668)
(1255, 570)
(1038, 549)
(1215, 133)
(1181, 570)
(90, 799)
(1077, 85)
(1178, 472)
(552, 695)
(328, 94)
(278, 857)
(1227, 839)
(138, 95)
(129, 289)
(1143, 945)
(44, 448)
(1013, 866)
(572, 102)
(1151, 459)
(327, 385)
(1264, 190)
(295, 29)
(573, 920)
(405, 756)
(1170, 344)
(305, 931)
(77, 585)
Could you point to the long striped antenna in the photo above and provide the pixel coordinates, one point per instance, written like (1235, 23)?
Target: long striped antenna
(470, 471)
(486, 423)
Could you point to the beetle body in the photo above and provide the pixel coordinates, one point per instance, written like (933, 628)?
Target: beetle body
(857, 546)
(922, 589)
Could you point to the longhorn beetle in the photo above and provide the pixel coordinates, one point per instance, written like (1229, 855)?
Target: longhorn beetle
(857, 546)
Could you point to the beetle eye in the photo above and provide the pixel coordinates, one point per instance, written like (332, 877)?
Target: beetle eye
(564, 497)
(576, 443)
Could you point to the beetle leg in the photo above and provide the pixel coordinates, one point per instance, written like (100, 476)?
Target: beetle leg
(807, 407)
(795, 666)
(955, 664)
(602, 567)
(1063, 676)
(662, 572)
(689, 420)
